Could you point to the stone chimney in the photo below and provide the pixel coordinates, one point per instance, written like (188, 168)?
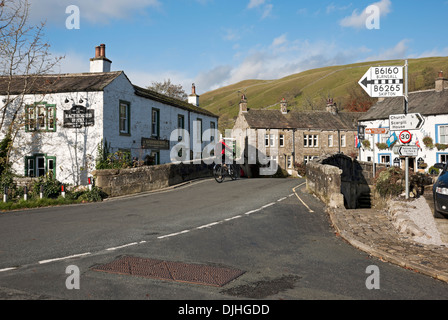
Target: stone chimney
(193, 98)
(441, 82)
(284, 106)
(100, 63)
(243, 103)
(332, 107)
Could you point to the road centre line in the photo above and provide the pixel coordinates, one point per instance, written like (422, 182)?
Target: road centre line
(208, 225)
(123, 246)
(8, 269)
(294, 189)
(65, 258)
(173, 234)
(161, 237)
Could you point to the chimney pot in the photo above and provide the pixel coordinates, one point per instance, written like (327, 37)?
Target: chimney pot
(97, 52)
(440, 74)
(103, 50)
(193, 89)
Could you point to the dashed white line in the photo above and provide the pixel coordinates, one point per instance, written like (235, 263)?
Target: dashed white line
(123, 246)
(268, 205)
(161, 237)
(252, 211)
(235, 217)
(8, 269)
(65, 258)
(173, 234)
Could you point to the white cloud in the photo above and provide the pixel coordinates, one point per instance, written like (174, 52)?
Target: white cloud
(267, 11)
(399, 51)
(99, 11)
(332, 7)
(281, 58)
(255, 3)
(358, 19)
(279, 41)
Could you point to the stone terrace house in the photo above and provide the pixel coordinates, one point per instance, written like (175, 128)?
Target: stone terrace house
(432, 137)
(300, 136)
(67, 116)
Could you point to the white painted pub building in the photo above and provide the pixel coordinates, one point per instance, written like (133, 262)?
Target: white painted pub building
(431, 139)
(67, 116)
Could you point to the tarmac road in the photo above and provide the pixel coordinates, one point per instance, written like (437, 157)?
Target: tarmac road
(277, 234)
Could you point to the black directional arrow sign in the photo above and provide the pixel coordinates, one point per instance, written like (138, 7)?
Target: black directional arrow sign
(383, 82)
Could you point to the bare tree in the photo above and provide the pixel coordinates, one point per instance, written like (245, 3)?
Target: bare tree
(169, 89)
(24, 57)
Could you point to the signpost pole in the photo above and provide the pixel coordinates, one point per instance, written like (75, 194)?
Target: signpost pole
(373, 148)
(406, 105)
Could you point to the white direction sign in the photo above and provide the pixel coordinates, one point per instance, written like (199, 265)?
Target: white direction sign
(383, 82)
(411, 121)
(407, 151)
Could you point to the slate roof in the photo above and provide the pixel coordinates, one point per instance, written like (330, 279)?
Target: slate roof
(45, 84)
(84, 82)
(428, 102)
(318, 120)
(153, 95)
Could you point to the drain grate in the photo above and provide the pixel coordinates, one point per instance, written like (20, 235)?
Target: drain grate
(168, 270)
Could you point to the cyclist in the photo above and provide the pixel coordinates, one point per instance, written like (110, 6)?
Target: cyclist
(223, 148)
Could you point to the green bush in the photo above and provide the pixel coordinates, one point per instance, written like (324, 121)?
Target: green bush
(51, 187)
(389, 182)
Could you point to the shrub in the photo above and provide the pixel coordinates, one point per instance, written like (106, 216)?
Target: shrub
(427, 141)
(51, 187)
(389, 182)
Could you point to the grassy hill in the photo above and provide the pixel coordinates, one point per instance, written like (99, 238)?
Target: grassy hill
(309, 90)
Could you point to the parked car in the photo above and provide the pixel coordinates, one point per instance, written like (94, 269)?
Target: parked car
(440, 192)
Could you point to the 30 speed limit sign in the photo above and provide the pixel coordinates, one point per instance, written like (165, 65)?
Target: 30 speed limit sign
(405, 137)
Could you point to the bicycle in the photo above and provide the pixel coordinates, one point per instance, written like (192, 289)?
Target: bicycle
(219, 172)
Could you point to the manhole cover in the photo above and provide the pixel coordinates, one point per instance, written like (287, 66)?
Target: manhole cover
(168, 270)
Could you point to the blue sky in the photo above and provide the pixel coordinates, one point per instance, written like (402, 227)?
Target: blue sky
(214, 43)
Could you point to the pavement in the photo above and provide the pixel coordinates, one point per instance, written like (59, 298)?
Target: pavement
(372, 231)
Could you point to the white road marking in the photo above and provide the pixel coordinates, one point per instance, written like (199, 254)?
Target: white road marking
(173, 234)
(65, 258)
(268, 205)
(123, 246)
(8, 269)
(235, 217)
(208, 225)
(168, 235)
(252, 211)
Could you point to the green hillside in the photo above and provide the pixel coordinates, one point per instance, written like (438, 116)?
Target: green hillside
(309, 90)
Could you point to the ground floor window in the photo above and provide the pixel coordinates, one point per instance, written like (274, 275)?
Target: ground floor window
(39, 165)
(307, 159)
(384, 158)
(443, 157)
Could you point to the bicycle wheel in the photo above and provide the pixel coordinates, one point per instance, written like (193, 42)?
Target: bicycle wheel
(218, 173)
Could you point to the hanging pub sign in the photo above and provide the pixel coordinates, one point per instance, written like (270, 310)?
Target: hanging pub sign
(78, 117)
(421, 163)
